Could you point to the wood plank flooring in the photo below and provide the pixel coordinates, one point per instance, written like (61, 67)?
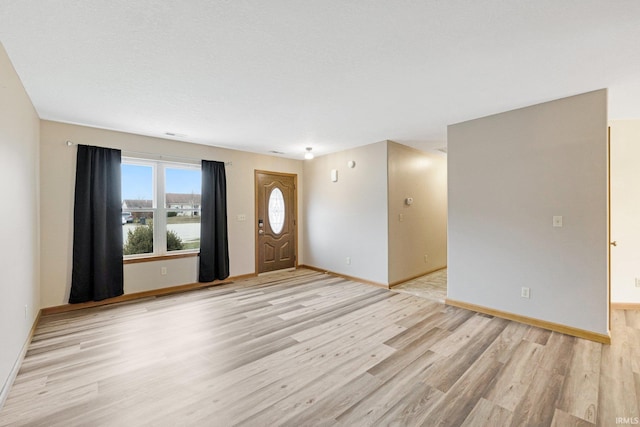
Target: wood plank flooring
(302, 348)
(432, 286)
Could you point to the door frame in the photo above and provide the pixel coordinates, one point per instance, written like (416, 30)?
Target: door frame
(609, 242)
(256, 172)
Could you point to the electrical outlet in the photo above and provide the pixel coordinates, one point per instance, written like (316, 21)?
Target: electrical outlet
(348, 260)
(163, 271)
(400, 217)
(426, 258)
(637, 282)
(525, 293)
(241, 217)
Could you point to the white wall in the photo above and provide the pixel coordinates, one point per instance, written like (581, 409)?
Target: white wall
(57, 187)
(19, 252)
(509, 174)
(625, 210)
(348, 218)
(418, 229)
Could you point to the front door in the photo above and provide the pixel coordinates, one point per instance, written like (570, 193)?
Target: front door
(276, 231)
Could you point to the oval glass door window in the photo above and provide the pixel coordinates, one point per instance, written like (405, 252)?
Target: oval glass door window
(276, 210)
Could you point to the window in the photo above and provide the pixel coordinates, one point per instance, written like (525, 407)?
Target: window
(276, 210)
(161, 207)
(138, 200)
(182, 201)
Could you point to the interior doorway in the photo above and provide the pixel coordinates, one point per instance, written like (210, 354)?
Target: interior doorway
(276, 225)
(624, 205)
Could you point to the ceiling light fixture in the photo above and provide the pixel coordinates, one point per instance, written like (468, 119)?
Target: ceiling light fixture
(308, 155)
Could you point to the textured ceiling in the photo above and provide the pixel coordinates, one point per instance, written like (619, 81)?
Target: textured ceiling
(332, 74)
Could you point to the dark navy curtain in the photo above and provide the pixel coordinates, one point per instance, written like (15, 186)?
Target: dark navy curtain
(97, 226)
(214, 244)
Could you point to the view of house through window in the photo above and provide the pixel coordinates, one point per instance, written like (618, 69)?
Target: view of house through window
(160, 207)
(137, 208)
(182, 201)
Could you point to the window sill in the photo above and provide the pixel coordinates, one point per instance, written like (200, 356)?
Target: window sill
(160, 258)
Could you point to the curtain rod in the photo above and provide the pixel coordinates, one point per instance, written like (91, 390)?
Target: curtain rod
(70, 143)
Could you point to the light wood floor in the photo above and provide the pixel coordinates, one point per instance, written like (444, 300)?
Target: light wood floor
(305, 349)
(432, 286)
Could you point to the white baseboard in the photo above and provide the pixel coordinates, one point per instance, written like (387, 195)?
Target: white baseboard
(4, 393)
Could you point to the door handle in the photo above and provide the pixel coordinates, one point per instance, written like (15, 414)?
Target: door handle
(261, 231)
(614, 243)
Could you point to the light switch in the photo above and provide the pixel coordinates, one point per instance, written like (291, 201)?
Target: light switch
(557, 221)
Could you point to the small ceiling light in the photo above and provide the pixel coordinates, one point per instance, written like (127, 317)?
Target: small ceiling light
(308, 155)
